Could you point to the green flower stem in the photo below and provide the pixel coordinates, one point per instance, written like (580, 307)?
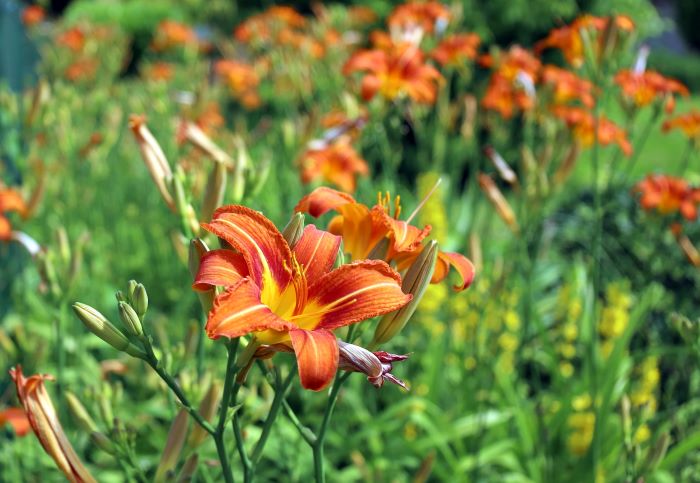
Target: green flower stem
(321, 433)
(304, 431)
(236, 425)
(686, 158)
(218, 435)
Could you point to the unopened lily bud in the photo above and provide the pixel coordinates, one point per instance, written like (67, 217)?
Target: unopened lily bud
(689, 249)
(415, 282)
(240, 168)
(173, 447)
(103, 442)
(130, 319)
(188, 469)
(469, 119)
(380, 250)
(154, 157)
(504, 170)
(196, 136)
(130, 287)
(197, 250)
(80, 414)
(294, 229)
(120, 296)
(105, 330)
(376, 365)
(498, 200)
(207, 409)
(214, 191)
(140, 300)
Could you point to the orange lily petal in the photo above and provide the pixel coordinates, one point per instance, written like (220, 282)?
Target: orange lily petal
(239, 311)
(220, 267)
(5, 229)
(316, 251)
(406, 237)
(322, 200)
(462, 264)
(42, 417)
(362, 229)
(11, 200)
(263, 247)
(317, 357)
(17, 418)
(352, 293)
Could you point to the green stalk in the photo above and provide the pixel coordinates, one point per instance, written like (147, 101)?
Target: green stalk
(218, 435)
(321, 433)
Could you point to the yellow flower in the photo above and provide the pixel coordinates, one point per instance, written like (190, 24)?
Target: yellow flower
(508, 342)
(469, 363)
(568, 351)
(512, 320)
(566, 369)
(409, 432)
(570, 331)
(582, 402)
(582, 425)
(642, 434)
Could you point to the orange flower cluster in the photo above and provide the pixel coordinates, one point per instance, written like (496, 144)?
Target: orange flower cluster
(426, 16)
(567, 86)
(688, 124)
(336, 163)
(511, 86)
(582, 125)
(73, 39)
(267, 26)
(81, 69)
(10, 201)
(645, 87)
(363, 229)
(400, 71)
(667, 195)
(568, 38)
(33, 15)
(171, 34)
(242, 81)
(456, 49)
(159, 71)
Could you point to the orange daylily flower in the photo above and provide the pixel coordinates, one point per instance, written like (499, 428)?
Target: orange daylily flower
(394, 73)
(83, 69)
(363, 228)
(337, 163)
(568, 38)
(17, 418)
(291, 296)
(159, 71)
(668, 194)
(170, 34)
(567, 86)
(73, 39)
(582, 124)
(242, 81)
(261, 27)
(39, 409)
(688, 123)
(32, 15)
(511, 85)
(423, 15)
(645, 87)
(456, 49)
(10, 201)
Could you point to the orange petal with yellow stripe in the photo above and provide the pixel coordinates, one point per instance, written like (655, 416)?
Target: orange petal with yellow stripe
(352, 293)
(317, 357)
(239, 311)
(316, 251)
(405, 237)
(322, 200)
(462, 265)
(263, 247)
(222, 268)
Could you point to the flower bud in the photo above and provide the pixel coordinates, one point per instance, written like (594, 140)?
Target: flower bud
(119, 295)
(103, 442)
(504, 170)
(376, 365)
(173, 447)
(294, 229)
(154, 157)
(240, 168)
(130, 319)
(498, 200)
(415, 282)
(80, 414)
(197, 137)
(140, 300)
(380, 250)
(207, 408)
(105, 330)
(130, 287)
(214, 191)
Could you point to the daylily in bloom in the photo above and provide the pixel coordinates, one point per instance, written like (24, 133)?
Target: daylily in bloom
(582, 125)
(645, 87)
(263, 26)
(400, 71)
(567, 86)
(83, 69)
(73, 39)
(688, 123)
(39, 409)
(568, 38)
(363, 228)
(291, 296)
(242, 81)
(159, 71)
(170, 34)
(10, 201)
(668, 194)
(428, 16)
(336, 162)
(455, 49)
(17, 418)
